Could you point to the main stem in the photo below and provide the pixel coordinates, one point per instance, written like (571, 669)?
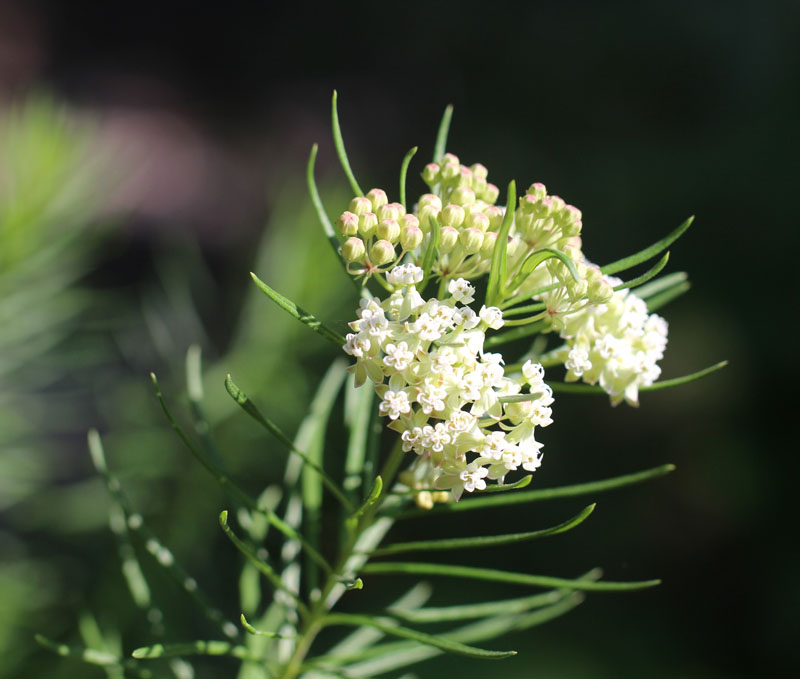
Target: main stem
(314, 621)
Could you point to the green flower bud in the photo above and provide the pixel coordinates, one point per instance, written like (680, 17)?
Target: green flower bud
(450, 172)
(377, 197)
(367, 223)
(464, 177)
(360, 205)
(538, 189)
(479, 185)
(463, 195)
(495, 215)
(491, 193)
(430, 199)
(489, 239)
(450, 159)
(410, 237)
(431, 174)
(452, 215)
(353, 250)
(477, 220)
(425, 214)
(471, 240)
(408, 220)
(599, 292)
(525, 223)
(390, 211)
(479, 170)
(348, 224)
(381, 252)
(528, 204)
(448, 237)
(388, 229)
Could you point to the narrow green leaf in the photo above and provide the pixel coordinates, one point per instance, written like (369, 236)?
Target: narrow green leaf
(543, 494)
(657, 301)
(497, 273)
(296, 312)
(340, 150)
(194, 389)
(261, 633)
(661, 284)
(646, 276)
(534, 259)
(430, 252)
(484, 541)
(649, 252)
(404, 172)
(371, 499)
(456, 571)
(247, 405)
(357, 417)
(87, 655)
(387, 626)
(502, 487)
(441, 135)
(519, 398)
(575, 388)
(196, 648)
(515, 334)
(262, 566)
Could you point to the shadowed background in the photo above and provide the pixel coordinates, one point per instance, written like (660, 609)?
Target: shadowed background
(640, 114)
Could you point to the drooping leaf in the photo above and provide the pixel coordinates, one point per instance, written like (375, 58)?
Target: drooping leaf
(387, 627)
(340, 150)
(491, 574)
(534, 259)
(649, 252)
(296, 312)
(483, 541)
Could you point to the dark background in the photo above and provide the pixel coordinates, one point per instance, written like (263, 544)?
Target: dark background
(639, 113)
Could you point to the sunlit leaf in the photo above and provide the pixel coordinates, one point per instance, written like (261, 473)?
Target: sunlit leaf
(340, 150)
(649, 252)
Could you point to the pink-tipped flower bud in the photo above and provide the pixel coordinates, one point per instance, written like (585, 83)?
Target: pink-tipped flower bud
(538, 189)
(353, 250)
(348, 224)
(464, 177)
(479, 185)
(430, 199)
(367, 223)
(388, 229)
(378, 198)
(477, 220)
(528, 203)
(471, 240)
(452, 215)
(408, 220)
(489, 240)
(381, 252)
(450, 159)
(463, 195)
(360, 205)
(450, 172)
(427, 213)
(495, 215)
(431, 174)
(390, 211)
(410, 237)
(558, 203)
(448, 237)
(479, 170)
(491, 193)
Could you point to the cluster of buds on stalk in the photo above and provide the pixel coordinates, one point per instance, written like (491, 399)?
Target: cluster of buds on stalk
(465, 416)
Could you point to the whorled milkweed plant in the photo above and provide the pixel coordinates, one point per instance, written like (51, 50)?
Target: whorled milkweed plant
(455, 278)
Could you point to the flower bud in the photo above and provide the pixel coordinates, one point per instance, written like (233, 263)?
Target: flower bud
(558, 203)
(353, 250)
(390, 211)
(378, 198)
(427, 213)
(452, 215)
(367, 223)
(450, 159)
(381, 252)
(515, 244)
(599, 291)
(471, 240)
(477, 220)
(528, 203)
(348, 224)
(491, 193)
(449, 172)
(479, 185)
(463, 195)
(448, 237)
(430, 199)
(410, 237)
(479, 170)
(430, 174)
(489, 239)
(464, 177)
(360, 205)
(408, 220)
(538, 189)
(495, 215)
(389, 230)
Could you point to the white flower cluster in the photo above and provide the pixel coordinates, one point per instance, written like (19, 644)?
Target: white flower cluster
(616, 344)
(442, 392)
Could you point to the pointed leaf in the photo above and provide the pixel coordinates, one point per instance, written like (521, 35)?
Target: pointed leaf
(296, 312)
(430, 252)
(649, 252)
(503, 487)
(387, 626)
(441, 135)
(403, 173)
(657, 301)
(260, 633)
(484, 541)
(661, 284)
(497, 273)
(340, 150)
(371, 499)
(543, 494)
(534, 259)
(646, 276)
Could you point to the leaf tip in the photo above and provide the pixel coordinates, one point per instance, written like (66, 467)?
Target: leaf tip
(223, 518)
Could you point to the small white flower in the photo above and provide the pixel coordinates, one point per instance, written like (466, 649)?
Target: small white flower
(492, 316)
(461, 290)
(398, 356)
(394, 404)
(404, 274)
(578, 361)
(466, 317)
(427, 328)
(494, 445)
(356, 345)
(473, 477)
